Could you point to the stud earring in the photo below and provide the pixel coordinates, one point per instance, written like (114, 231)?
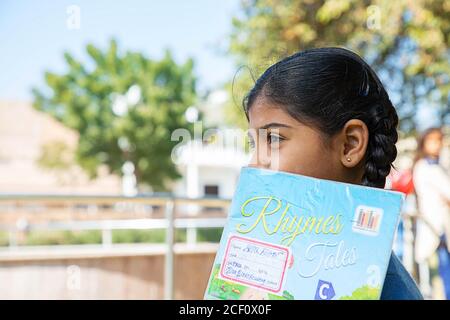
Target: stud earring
(348, 159)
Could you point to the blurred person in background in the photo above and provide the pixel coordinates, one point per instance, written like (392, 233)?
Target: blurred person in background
(432, 186)
(402, 181)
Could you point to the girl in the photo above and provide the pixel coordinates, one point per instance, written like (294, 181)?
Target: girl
(324, 113)
(432, 186)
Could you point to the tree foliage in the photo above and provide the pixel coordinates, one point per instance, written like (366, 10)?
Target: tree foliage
(406, 41)
(124, 107)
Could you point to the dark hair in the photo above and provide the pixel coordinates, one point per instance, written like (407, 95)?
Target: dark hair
(420, 151)
(325, 88)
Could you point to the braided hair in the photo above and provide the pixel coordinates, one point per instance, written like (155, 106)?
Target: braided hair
(326, 87)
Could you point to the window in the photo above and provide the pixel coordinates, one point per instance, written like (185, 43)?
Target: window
(211, 190)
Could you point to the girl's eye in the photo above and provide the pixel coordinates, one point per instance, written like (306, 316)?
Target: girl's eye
(274, 138)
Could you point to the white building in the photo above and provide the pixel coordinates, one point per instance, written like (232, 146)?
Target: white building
(210, 164)
(209, 170)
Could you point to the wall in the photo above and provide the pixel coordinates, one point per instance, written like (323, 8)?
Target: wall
(93, 272)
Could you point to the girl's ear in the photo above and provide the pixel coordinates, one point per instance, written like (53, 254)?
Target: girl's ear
(354, 140)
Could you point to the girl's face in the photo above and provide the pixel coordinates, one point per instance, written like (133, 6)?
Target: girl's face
(433, 144)
(282, 143)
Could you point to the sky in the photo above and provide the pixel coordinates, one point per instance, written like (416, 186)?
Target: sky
(34, 35)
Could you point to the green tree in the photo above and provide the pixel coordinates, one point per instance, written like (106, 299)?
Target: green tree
(406, 41)
(124, 107)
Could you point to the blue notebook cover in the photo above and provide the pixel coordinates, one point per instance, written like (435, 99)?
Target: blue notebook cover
(295, 237)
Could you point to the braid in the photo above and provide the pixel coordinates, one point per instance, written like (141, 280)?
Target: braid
(381, 149)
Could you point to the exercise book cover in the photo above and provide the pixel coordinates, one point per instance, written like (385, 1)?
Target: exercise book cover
(294, 237)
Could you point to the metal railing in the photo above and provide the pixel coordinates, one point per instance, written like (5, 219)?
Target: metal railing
(169, 204)
(170, 222)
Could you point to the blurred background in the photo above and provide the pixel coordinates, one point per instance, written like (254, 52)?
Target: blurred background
(121, 132)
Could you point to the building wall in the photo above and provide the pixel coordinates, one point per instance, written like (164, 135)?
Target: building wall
(225, 178)
(23, 133)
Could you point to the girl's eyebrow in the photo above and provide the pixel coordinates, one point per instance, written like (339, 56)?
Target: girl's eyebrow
(275, 125)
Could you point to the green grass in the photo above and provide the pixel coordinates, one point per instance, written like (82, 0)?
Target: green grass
(224, 289)
(4, 241)
(42, 238)
(145, 236)
(36, 238)
(364, 293)
(209, 235)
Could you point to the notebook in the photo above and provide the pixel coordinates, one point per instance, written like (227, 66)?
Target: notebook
(293, 237)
